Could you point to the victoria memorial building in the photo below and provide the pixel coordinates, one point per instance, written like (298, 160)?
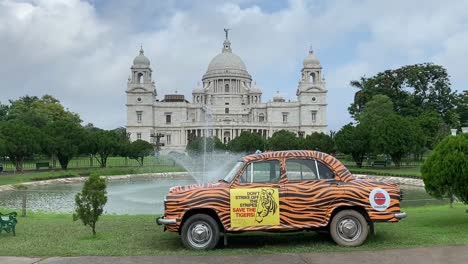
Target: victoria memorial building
(226, 103)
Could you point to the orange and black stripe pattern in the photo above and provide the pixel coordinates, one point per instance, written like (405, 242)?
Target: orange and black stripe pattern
(302, 205)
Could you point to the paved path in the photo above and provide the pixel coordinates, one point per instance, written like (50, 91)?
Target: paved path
(433, 255)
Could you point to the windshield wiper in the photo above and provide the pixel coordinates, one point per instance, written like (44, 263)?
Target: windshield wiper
(223, 180)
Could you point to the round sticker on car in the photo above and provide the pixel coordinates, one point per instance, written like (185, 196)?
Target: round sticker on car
(379, 199)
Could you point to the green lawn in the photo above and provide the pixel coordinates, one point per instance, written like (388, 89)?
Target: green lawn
(57, 235)
(86, 162)
(54, 174)
(404, 171)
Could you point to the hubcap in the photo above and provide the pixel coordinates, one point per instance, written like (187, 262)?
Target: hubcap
(199, 234)
(349, 228)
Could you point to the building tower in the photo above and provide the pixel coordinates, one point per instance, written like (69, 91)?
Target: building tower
(312, 95)
(141, 93)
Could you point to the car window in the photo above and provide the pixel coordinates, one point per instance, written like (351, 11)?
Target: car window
(301, 169)
(324, 171)
(261, 172)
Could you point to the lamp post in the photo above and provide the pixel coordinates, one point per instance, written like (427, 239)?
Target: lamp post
(157, 143)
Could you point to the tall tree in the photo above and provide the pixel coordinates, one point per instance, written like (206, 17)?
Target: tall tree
(445, 171)
(396, 136)
(283, 140)
(138, 150)
(204, 145)
(247, 142)
(38, 112)
(320, 142)
(64, 140)
(353, 140)
(462, 108)
(102, 144)
(413, 89)
(20, 141)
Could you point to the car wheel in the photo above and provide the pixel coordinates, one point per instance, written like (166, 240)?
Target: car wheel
(349, 228)
(199, 232)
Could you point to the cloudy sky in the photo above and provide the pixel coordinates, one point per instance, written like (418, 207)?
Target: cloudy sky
(81, 51)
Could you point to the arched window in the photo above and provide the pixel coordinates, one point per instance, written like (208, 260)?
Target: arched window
(140, 77)
(261, 118)
(226, 88)
(312, 77)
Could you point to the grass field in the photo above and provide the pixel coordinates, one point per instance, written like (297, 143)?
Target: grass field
(404, 171)
(55, 174)
(125, 235)
(87, 162)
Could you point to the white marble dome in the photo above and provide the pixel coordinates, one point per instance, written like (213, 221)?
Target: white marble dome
(226, 61)
(311, 60)
(141, 59)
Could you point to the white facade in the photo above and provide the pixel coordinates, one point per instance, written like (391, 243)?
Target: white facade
(225, 104)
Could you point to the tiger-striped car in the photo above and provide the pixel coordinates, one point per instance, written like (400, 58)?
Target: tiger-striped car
(281, 191)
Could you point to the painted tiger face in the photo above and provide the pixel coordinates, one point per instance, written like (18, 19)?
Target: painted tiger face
(266, 204)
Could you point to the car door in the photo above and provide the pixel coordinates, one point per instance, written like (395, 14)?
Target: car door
(257, 197)
(312, 188)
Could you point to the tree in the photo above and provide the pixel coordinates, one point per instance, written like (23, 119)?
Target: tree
(64, 140)
(247, 142)
(138, 150)
(396, 136)
(90, 202)
(102, 144)
(433, 128)
(413, 89)
(377, 108)
(204, 145)
(283, 140)
(3, 112)
(38, 112)
(20, 141)
(353, 140)
(462, 108)
(320, 142)
(445, 171)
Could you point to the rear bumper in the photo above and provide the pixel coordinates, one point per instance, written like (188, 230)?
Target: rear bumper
(400, 215)
(165, 221)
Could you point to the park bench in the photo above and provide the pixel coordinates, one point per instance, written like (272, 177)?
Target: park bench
(42, 165)
(379, 163)
(8, 222)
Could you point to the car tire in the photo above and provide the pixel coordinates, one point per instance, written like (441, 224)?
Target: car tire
(349, 228)
(200, 232)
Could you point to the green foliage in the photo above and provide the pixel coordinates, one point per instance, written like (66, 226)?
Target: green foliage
(65, 140)
(396, 136)
(19, 141)
(413, 89)
(283, 140)
(353, 140)
(433, 128)
(3, 112)
(445, 171)
(90, 202)
(462, 108)
(138, 150)
(320, 142)
(204, 144)
(38, 112)
(103, 143)
(247, 142)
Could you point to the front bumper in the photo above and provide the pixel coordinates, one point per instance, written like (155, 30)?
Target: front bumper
(165, 221)
(400, 215)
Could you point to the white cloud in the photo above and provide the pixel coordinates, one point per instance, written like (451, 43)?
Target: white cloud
(81, 51)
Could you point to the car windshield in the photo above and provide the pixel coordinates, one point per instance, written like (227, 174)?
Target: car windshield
(232, 173)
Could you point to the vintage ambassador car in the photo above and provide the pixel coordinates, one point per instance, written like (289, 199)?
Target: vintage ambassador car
(281, 191)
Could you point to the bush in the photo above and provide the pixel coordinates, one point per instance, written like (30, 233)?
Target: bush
(445, 171)
(90, 202)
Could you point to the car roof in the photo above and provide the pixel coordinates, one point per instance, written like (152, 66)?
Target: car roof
(284, 154)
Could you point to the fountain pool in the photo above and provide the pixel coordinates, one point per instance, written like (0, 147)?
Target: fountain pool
(139, 195)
